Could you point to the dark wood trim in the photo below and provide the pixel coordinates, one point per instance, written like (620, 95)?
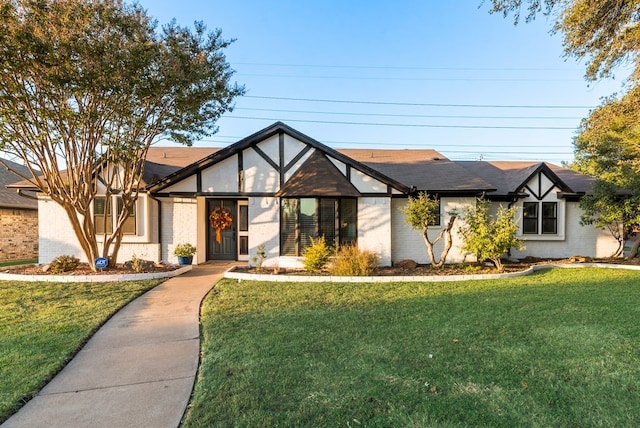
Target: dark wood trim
(535, 195)
(213, 194)
(297, 158)
(281, 155)
(240, 172)
(348, 172)
(199, 181)
(264, 156)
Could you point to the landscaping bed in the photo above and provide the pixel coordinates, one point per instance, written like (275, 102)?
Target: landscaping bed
(402, 270)
(84, 269)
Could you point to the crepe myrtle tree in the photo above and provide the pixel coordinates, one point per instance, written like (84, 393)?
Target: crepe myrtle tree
(86, 86)
(423, 211)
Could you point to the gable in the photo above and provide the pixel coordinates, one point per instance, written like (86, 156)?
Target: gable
(542, 182)
(318, 177)
(264, 162)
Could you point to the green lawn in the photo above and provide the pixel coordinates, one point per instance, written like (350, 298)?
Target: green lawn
(559, 348)
(19, 262)
(42, 325)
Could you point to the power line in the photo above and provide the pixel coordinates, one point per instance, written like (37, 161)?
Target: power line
(373, 67)
(411, 79)
(411, 115)
(436, 146)
(317, 100)
(407, 125)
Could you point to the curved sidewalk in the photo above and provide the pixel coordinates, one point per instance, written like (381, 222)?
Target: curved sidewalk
(138, 369)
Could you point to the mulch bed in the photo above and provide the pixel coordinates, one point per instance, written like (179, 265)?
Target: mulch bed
(420, 270)
(84, 269)
(449, 269)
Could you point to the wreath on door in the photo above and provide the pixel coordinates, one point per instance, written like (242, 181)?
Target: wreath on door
(220, 219)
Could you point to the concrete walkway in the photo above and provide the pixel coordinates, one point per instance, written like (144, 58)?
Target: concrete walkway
(138, 370)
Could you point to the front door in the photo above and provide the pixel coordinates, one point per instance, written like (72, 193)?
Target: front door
(226, 249)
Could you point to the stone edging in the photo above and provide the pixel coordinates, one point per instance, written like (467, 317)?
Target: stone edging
(232, 274)
(94, 278)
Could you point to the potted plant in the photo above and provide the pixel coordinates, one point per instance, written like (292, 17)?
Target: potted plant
(185, 253)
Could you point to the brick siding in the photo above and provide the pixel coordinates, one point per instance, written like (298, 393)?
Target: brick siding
(18, 234)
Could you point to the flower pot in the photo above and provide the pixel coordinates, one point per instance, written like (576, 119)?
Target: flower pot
(185, 260)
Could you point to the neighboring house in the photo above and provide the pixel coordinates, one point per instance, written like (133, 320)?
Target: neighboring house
(283, 188)
(18, 218)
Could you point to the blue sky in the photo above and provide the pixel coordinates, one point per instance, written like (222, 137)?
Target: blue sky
(408, 74)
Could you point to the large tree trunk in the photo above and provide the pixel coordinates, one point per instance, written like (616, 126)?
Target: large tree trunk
(86, 240)
(634, 248)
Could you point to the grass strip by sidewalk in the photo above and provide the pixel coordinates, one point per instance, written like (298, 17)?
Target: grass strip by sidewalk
(42, 325)
(558, 348)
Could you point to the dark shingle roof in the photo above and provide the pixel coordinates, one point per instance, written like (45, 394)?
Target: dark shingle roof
(162, 161)
(427, 170)
(508, 177)
(9, 198)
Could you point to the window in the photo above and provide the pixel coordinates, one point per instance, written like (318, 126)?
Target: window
(304, 219)
(549, 217)
(102, 216)
(540, 216)
(530, 218)
(104, 221)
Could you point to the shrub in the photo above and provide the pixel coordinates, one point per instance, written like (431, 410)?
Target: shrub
(64, 264)
(316, 256)
(350, 261)
(487, 236)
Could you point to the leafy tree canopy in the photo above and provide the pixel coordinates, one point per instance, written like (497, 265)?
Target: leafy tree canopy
(605, 32)
(90, 83)
(608, 147)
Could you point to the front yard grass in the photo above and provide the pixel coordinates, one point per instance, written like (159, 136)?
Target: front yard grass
(558, 348)
(42, 325)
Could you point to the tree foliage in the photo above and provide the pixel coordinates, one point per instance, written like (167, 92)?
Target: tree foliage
(605, 32)
(489, 237)
(87, 85)
(424, 211)
(608, 147)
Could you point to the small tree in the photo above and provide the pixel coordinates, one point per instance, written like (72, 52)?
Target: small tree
(424, 211)
(607, 210)
(489, 237)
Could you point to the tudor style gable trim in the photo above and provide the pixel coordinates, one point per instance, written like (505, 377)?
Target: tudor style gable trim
(278, 162)
(536, 185)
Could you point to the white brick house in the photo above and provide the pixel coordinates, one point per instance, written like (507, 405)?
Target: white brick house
(282, 187)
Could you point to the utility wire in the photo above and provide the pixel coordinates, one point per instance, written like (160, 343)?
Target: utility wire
(407, 125)
(317, 100)
(410, 115)
(437, 147)
(410, 79)
(373, 67)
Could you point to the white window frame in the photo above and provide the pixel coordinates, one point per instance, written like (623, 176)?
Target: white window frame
(142, 219)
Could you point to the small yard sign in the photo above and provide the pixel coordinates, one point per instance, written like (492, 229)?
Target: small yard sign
(101, 262)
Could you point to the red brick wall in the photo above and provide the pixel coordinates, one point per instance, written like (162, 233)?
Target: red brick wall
(18, 234)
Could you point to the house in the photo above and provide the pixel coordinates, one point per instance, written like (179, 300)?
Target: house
(279, 188)
(18, 218)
